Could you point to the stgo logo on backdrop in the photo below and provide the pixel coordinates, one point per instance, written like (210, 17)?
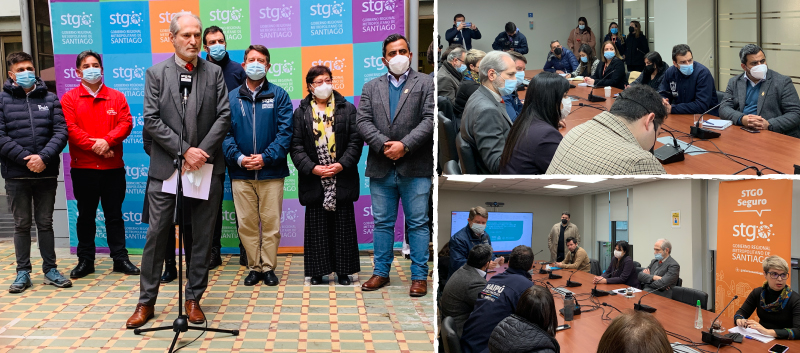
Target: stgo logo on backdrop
(233, 16)
(338, 58)
(126, 28)
(368, 64)
(285, 71)
(133, 143)
(161, 13)
(326, 22)
(277, 24)
(126, 73)
(76, 28)
(377, 19)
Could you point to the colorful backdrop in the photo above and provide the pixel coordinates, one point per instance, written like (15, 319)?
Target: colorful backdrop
(131, 36)
(754, 222)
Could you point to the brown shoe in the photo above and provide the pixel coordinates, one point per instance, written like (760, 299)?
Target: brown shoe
(196, 315)
(140, 316)
(419, 288)
(375, 282)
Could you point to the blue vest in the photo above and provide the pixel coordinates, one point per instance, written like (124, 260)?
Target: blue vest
(394, 97)
(751, 98)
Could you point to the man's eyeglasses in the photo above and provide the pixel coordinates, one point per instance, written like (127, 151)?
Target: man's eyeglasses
(775, 275)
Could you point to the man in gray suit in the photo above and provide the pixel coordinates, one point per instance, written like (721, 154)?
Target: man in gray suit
(485, 123)
(762, 99)
(464, 286)
(207, 120)
(450, 74)
(395, 118)
(662, 272)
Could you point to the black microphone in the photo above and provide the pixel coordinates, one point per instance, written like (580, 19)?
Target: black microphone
(714, 339)
(185, 88)
(705, 134)
(669, 154)
(552, 276)
(592, 97)
(646, 308)
(592, 106)
(597, 292)
(573, 284)
(611, 306)
(542, 271)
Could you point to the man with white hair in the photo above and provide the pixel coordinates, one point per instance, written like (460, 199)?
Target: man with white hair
(450, 74)
(207, 121)
(663, 272)
(485, 123)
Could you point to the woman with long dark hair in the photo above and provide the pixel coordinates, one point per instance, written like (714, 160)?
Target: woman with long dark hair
(582, 34)
(653, 72)
(532, 327)
(534, 137)
(616, 37)
(621, 269)
(588, 62)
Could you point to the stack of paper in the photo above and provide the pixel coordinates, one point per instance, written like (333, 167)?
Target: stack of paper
(751, 333)
(717, 124)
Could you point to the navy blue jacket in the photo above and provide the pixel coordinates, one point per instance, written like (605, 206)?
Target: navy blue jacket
(232, 71)
(464, 38)
(518, 42)
(693, 94)
(30, 124)
(568, 63)
(513, 105)
(497, 301)
(269, 132)
(460, 245)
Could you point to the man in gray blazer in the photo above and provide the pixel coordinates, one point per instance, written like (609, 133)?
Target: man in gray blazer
(207, 120)
(485, 124)
(449, 76)
(762, 99)
(662, 272)
(395, 118)
(464, 286)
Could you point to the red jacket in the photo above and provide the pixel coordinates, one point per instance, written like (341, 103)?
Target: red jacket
(106, 116)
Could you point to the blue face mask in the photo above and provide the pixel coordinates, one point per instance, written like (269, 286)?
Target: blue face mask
(659, 257)
(462, 68)
(26, 79)
(582, 26)
(255, 70)
(687, 69)
(613, 31)
(92, 75)
(608, 55)
(217, 51)
(509, 87)
(520, 76)
(585, 59)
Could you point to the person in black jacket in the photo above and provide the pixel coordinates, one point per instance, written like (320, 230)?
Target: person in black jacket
(532, 327)
(636, 47)
(621, 269)
(326, 148)
(612, 72)
(654, 69)
(461, 33)
(617, 38)
(511, 40)
(32, 134)
(777, 306)
(534, 137)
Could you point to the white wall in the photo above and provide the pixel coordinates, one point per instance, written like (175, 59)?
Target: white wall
(9, 8)
(580, 209)
(685, 22)
(551, 20)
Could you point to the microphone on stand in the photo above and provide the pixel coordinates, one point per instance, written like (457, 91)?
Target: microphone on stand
(669, 154)
(592, 97)
(597, 292)
(705, 134)
(573, 284)
(185, 88)
(714, 339)
(645, 308)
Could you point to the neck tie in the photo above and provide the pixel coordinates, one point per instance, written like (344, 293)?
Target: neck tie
(189, 67)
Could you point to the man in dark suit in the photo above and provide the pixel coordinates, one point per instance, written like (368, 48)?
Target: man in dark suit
(462, 290)
(395, 118)
(762, 99)
(662, 272)
(207, 120)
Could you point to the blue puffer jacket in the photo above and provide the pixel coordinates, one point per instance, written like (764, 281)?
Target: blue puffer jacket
(268, 131)
(30, 124)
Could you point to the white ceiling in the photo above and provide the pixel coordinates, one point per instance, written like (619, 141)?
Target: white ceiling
(528, 186)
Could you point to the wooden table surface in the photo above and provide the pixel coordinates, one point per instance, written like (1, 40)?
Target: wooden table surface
(677, 317)
(767, 148)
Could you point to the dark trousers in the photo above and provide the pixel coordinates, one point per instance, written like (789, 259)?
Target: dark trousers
(92, 187)
(330, 241)
(38, 195)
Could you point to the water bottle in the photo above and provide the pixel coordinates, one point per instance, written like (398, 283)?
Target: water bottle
(698, 319)
(569, 307)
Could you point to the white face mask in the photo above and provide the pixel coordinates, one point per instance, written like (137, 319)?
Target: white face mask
(759, 72)
(399, 64)
(618, 254)
(566, 107)
(478, 228)
(323, 91)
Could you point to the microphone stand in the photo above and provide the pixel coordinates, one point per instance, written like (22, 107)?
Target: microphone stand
(705, 134)
(714, 339)
(181, 323)
(670, 154)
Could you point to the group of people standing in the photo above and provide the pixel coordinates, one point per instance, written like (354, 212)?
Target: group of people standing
(233, 118)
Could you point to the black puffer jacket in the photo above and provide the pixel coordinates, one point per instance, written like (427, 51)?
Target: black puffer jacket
(517, 335)
(349, 146)
(30, 124)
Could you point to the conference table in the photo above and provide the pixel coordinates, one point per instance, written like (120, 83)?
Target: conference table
(765, 150)
(587, 328)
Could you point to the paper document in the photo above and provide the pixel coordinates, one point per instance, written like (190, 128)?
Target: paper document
(190, 183)
(584, 84)
(718, 124)
(752, 333)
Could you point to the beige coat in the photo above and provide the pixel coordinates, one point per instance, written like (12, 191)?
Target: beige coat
(576, 38)
(579, 262)
(552, 239)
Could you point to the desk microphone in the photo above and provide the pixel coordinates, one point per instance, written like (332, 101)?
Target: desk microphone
(705, 134)
(714, 339)
(669, 154)
(597, 292)
(185, 88)
(552, 276)
(645, 308)
(570, 283)
(592, 97)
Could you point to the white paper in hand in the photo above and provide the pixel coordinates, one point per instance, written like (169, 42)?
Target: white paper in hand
(752, 333)
(196, 184)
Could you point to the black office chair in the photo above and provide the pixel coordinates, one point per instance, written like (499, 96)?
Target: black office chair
(637, 264)
(451, 339)
(452, 168)
(679, 283)
(594, 267)
(690, 296)
(447, 139)
(720, 96)
(445, 106)
(466, 157)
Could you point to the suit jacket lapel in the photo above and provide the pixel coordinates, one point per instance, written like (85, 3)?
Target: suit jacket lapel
(383, 94)
(411, 81)
(500, 105)
(200, 81)
(171, 71)
(763, 93)
(742, 91)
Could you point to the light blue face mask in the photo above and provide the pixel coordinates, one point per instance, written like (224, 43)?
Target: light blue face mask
(608, 55)
(462, 68)
(687, 69)
(520, 76)
(659, 257)
(217, 51)
(255, 70)
(582, 27)
(92, 75)
(509, 87)
(585, 59)
(26, 79)
(613, 31)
